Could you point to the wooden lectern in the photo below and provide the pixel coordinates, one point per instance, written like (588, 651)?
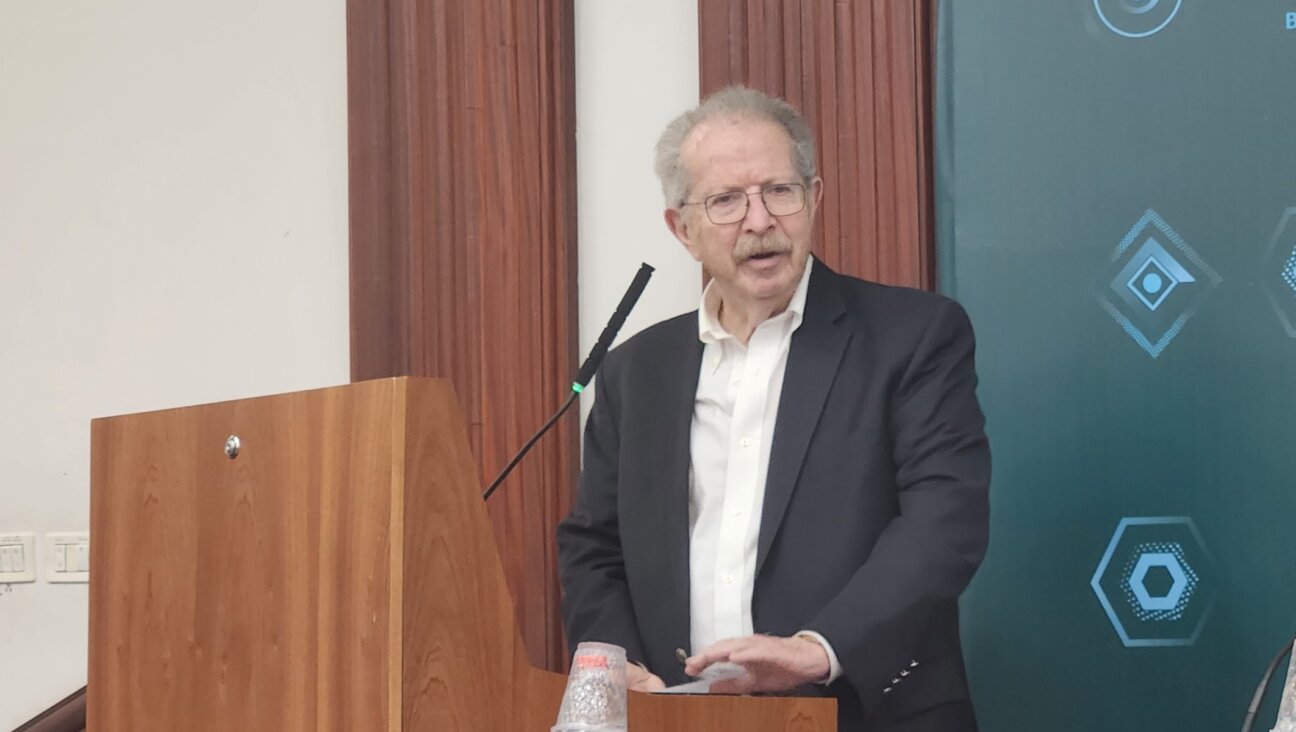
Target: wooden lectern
(337, 573)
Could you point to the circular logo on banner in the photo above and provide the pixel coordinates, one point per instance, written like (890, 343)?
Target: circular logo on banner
(1136, 18)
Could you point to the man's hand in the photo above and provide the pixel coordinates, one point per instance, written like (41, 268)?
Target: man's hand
(639, 678)
(772, 663)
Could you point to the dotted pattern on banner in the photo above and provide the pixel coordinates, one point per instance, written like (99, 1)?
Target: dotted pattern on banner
(1191, 580)
(1289, 272)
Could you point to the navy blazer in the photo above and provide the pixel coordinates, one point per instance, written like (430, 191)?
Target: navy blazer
(876, 508)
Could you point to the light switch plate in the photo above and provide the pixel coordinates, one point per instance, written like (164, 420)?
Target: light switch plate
(67, 557)
(17, 558)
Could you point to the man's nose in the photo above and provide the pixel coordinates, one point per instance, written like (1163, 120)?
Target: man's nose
(758, 219)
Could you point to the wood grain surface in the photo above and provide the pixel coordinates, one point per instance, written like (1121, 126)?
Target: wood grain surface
(250, 593)
(463, 245)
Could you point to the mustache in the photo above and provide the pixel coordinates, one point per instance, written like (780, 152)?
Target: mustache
(753, 245)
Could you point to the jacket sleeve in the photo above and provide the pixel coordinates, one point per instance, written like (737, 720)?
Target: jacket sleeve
(596, 602)
(926, 556)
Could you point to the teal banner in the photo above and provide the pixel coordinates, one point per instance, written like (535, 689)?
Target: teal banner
(1116, 206)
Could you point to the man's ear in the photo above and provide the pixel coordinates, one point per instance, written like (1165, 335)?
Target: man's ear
(678, 224)
(816, 191)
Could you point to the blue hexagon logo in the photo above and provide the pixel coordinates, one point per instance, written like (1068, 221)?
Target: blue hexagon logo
(1153, 583)
(1278, 273)
(1178, 580)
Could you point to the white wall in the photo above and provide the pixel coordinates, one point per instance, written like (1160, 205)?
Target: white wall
(636, 69)
(173, 230)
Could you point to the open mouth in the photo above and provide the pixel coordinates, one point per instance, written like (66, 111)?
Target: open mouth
(764, 256)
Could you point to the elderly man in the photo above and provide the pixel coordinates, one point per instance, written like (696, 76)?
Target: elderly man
(793, 478)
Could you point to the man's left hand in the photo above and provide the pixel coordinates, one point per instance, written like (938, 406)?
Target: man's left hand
(772, 663)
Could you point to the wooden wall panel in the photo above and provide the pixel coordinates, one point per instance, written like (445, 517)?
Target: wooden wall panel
(463, 251)
(860, 72)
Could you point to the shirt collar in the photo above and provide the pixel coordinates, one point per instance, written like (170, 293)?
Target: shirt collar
(711, 331)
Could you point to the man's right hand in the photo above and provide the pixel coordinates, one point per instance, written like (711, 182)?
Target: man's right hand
(639, 678)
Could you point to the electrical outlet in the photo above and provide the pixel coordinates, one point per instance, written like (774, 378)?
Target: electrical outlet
(67, 557)
(17, 558)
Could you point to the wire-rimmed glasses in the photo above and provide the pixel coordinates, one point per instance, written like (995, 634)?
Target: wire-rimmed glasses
(730, 207)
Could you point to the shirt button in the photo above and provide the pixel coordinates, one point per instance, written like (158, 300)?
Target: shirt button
(728, 579)
(745, 442)
(736, 512)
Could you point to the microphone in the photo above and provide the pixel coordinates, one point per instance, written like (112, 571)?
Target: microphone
(608, 335)
(1254, 707)
(587, 369)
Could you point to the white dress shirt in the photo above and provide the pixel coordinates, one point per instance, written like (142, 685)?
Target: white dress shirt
(729, 450)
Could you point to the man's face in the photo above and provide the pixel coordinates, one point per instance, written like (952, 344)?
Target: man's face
(762, 257)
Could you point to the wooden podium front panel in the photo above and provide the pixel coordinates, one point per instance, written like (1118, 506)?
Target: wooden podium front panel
(217, 597)
(746, 713)
(465, 667)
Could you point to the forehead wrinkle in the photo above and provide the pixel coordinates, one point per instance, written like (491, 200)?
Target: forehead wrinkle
(747, 157)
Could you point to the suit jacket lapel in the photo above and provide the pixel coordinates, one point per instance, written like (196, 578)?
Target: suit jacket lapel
(813, 359)
(675, 390)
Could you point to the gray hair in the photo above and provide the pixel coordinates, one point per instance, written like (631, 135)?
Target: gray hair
(733, 102)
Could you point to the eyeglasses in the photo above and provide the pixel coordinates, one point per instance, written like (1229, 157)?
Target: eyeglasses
(730, 207)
